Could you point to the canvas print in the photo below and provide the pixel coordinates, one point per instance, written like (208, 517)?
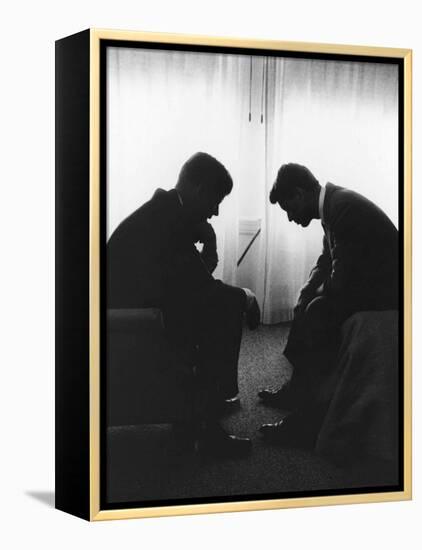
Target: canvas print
(252, 286)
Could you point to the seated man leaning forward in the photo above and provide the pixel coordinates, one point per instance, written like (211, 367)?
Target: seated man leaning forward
(152, 261)
(358, 270)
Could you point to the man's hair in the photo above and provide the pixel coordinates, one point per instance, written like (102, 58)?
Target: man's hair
(289, 177)
(202, 168)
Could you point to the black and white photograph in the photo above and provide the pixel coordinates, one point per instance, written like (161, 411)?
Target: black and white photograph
(251, 274)
(210, 275)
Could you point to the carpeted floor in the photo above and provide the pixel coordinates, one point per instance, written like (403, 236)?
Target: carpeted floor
(148, 463)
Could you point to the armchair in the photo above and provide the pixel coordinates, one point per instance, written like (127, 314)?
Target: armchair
(146, 383)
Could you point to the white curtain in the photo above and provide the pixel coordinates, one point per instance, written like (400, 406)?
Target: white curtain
(163, 106)
(340, 120)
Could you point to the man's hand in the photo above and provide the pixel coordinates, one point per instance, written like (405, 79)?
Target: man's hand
(205, 234)
(252, 311)
(305, 297)
(299, 309)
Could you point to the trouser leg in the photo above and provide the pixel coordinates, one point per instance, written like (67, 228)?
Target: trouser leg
(312, 349)
(313, 344)
(219, 339)
(214, 328)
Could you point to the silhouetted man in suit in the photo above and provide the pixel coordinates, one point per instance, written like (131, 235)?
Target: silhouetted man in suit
(358, 270)
(152, 261)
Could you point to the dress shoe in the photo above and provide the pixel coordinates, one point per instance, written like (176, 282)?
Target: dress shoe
(215, 442)
(289, 431)
(273, 430)
(233, 400)
(282, 398)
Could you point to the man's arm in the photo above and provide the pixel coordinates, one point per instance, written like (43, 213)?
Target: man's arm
(320, 271)
(205, 234)
(318, 275)
(351, 234)
(188, 274)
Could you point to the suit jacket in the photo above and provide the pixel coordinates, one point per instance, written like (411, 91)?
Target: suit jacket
(152, 260)
(359, 264)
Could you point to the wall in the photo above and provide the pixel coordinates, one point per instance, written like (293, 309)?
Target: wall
(27, 275)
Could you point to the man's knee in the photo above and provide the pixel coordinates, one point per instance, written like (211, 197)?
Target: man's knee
(318, 309)
(230, 300)
(318, 320)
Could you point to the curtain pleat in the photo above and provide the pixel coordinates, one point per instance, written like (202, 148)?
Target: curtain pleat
(340, 119)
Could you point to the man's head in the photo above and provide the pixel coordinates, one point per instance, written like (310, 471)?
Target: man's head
(296, 190)
(203, 183)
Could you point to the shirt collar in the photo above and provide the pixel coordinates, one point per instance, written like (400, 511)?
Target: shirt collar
(321, 203)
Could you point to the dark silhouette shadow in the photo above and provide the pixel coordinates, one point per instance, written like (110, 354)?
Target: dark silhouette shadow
(46, 497)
